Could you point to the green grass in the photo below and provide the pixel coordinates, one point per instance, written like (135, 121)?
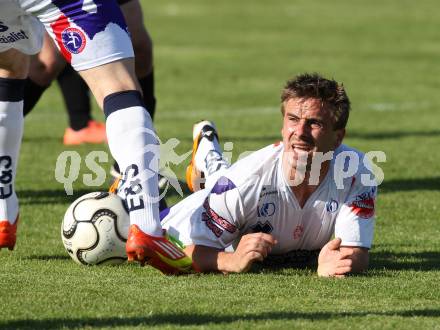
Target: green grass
(227, 61)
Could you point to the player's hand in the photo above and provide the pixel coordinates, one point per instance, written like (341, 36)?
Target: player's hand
(252, 247)
(333, 261)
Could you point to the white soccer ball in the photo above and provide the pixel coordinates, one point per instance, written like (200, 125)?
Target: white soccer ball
(95, 229)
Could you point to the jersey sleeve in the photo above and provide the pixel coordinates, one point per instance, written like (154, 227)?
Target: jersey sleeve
(355, 221)
(221, 216)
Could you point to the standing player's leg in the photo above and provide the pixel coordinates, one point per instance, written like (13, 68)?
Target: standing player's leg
(13, 72)
(82, 127)
(75, 90)
(92, 36)
(207, 162)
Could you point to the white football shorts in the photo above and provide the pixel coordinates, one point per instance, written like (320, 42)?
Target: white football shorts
(88, 33)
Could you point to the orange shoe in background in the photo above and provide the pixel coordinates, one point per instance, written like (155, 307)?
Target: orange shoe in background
(93, 133)
(8, 234)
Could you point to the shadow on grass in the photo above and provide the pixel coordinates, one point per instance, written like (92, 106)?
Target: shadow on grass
(52, 196)
(41, 139)
(47, 257)
(419, 261)
(194, 319)
(55, 196)
(400, 185)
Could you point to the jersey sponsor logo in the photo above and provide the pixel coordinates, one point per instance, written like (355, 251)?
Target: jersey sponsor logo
(363, 205)
(132, 188)
(298, 232)
(73, 40)
(12, 37)
(210, 217)
(265, 192)
(208, 222)
(3, 27)
(260, 227)
(266, 210)
(5, 177)
(331, 206)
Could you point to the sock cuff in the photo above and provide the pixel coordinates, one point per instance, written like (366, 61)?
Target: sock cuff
(122, 100)
(12, 90)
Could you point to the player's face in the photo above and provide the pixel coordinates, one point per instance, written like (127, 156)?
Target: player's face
(308, 128)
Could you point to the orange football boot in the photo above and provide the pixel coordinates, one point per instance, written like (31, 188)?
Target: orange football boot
(158, 252)
(195, 179)
(94, 132)
(8, 234)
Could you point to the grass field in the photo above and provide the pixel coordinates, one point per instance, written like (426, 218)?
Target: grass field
(227, 61)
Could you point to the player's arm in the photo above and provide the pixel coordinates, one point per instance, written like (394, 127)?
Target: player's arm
(252, 247)
(337, 261)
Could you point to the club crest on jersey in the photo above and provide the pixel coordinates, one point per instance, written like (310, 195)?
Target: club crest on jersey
(363, 205)
(331, 206)
(266, 210)
(298, 232)
(73, 39)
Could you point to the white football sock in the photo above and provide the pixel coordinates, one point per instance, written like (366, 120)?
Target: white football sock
(133, 144)
(209, 158)
(11, 131)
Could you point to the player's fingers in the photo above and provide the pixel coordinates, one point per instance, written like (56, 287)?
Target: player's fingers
(343, 270)
(258, 240)
(334, 244)
(264, 246)
(263, 237)
(339, 276)
(269, 239)
(255, 255)
(345, 263)
(346, 253)
(258, 247)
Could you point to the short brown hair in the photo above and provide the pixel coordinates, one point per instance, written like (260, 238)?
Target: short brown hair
(330, 92)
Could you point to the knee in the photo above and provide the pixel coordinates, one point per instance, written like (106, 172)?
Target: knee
(14, 64)
(44, 72)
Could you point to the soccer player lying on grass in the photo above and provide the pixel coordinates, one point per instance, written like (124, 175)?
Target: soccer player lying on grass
(93, 38)
(280, 198)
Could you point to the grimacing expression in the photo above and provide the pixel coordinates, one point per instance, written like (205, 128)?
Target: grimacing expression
(308, 127)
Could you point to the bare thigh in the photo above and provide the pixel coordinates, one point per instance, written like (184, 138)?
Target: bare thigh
(110, 78)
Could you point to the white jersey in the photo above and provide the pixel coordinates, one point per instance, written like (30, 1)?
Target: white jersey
(88, 33)
(253, 196)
